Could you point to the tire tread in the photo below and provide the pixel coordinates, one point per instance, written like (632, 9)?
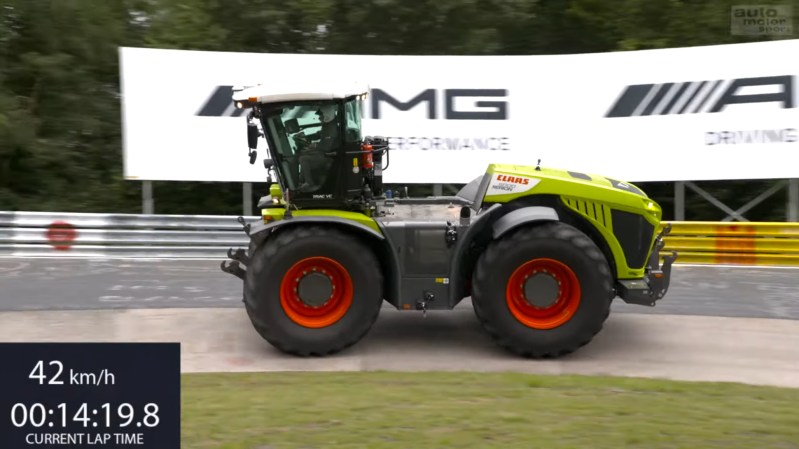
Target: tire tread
(271, 247)
(495, 252)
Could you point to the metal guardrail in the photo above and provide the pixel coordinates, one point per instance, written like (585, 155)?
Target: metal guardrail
(36, 234)
(747, 243)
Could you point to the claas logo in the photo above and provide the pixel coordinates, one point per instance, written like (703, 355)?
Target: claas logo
(513, 179)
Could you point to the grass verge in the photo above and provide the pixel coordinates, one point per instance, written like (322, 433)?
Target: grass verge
(480, 410)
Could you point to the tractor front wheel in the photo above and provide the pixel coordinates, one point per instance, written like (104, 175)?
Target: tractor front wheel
(543, 291)
(313, 290)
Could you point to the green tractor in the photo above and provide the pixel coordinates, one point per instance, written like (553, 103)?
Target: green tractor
(540, 252)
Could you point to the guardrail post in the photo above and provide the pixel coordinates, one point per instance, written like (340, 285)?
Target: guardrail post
(438, 190)
(793, 200)
(147, 198)
(679, 201)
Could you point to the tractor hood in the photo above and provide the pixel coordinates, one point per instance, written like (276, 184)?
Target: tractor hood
(565, 175)
(506, 182)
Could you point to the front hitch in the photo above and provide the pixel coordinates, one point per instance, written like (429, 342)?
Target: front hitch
(655, 284)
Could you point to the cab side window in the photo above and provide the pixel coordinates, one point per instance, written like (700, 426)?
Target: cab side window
(352, 120)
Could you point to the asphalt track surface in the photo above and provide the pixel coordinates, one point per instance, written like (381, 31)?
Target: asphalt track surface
(61, 284)
(736, 324)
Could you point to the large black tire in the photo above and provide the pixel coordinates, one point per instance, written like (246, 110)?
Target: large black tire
(584, 293)
(270, 307)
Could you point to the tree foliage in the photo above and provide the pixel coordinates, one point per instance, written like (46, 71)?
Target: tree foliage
(60, 123)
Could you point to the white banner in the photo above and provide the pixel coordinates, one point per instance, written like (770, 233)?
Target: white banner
(700, 113)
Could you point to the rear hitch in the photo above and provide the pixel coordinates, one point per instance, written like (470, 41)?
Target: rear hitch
(239, 255)
(234, 268)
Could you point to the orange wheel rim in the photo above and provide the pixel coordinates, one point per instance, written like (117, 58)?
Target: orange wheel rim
(559, 311)
(332, 309)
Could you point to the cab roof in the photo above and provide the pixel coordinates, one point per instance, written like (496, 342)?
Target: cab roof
(275, 93)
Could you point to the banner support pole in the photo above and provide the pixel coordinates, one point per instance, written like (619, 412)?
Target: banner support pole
(147, 198)
(679, 201)
(247, 199)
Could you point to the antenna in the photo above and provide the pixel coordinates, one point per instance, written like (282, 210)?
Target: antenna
(538, 166)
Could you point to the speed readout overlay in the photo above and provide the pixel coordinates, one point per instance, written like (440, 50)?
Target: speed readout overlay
(90, 395)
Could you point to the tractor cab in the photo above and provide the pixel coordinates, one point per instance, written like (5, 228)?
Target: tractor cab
(316, 145)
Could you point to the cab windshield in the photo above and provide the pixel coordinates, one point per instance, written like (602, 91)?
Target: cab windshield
(307, 137)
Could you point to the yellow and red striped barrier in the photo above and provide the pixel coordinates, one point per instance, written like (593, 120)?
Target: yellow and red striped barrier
(734, 243)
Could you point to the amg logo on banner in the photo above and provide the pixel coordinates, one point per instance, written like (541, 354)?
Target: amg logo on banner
(700, 96)
(220, 104)
(493, 110)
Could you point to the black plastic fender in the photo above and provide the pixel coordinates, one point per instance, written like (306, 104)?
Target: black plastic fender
(476, 229)
(259, 230)
(385, 252)
(521, 216)
(494, 222)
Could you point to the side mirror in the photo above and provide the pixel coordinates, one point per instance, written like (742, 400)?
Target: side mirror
(252, 135)
(292, 126)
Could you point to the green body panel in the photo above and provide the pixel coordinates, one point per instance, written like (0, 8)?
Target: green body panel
(603, 222)
(592, 199)
(273, 214)
(275, 192)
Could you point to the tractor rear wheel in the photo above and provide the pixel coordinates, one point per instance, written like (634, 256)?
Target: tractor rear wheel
(313, 290)
(542, 291)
